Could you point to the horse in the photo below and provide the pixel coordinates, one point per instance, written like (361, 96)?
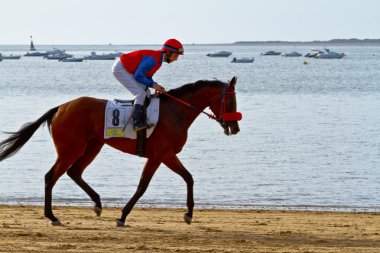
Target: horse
(77, 129)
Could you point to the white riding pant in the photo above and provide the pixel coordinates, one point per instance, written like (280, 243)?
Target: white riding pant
(139, 90)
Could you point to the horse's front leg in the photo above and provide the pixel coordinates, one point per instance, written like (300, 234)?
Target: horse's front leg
(149, 169)
(175, 165)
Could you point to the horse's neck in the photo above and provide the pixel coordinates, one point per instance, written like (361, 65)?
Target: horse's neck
(200, 99)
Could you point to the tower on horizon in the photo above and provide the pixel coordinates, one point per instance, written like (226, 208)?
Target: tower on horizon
(32, 48)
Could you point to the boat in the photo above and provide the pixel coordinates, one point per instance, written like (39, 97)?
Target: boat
(243, 60)
(327, 54)
(220, 54)
(33, 51)
(95, 56)
(36, 54)
(118, 53)
(271, 52)
(57, 55)
(312, 54)
(292, 54)
(71, 59)
(10, 57)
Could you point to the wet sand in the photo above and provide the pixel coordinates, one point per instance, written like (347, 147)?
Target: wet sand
(24, 229)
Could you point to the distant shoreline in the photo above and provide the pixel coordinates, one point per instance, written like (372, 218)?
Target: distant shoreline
(370, 42)
(338, 42)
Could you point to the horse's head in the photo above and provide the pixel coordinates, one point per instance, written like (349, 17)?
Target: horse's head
(224, 108)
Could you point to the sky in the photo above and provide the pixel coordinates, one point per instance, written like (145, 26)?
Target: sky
(131, 22)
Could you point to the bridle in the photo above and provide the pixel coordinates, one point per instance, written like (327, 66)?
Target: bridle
(227, 116)
(223, 116)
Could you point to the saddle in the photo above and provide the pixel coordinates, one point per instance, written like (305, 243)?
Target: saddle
(119, 122)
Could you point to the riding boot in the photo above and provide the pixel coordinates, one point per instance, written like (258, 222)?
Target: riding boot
(139, 118)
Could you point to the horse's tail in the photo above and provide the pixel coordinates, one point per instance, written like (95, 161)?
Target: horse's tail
(16, 141)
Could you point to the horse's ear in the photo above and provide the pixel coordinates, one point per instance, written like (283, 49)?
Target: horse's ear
(233, 81)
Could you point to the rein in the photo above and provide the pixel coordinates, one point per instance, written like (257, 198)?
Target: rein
(223, 115)
(189, 105)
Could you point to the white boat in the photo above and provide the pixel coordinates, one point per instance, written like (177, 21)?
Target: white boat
(95, 56)
(327, 54)
(313, 54)
(57, 55)
(243, 60)
(292, 54)
(271, 52)
(71, 59)
(117, 53)
(37, 53)
(220, 54)
(10, 57)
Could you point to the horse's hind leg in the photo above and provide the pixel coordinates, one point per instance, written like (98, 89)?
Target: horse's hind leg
(76, 170)
(67, 155)
(58, 169)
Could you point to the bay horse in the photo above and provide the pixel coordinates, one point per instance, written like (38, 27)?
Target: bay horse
(77, 129)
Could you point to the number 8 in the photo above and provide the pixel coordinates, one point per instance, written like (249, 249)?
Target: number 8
(115, 119)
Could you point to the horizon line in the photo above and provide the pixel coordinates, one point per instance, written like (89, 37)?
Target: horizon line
(351, 40)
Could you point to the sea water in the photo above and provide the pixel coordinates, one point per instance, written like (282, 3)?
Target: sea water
(309, 139)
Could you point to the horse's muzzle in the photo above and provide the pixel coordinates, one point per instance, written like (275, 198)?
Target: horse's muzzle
(231, 128)
(235, 129)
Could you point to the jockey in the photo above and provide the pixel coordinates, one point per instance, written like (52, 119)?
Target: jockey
(135, 70)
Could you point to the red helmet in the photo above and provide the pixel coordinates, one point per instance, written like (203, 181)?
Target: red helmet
(173, 45)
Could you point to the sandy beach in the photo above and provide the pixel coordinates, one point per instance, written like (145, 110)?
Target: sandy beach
(24, 229)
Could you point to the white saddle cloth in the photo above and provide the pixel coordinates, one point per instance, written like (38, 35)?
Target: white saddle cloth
(119, 122)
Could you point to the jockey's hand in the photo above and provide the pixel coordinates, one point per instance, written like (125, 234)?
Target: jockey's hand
(158, 87)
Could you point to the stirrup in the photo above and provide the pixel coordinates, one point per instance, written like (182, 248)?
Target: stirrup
(142, 127)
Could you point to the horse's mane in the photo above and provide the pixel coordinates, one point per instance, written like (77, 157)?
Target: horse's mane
(192, 87)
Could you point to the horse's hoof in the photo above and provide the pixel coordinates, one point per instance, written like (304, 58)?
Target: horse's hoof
(56, 223)
(97, 210)
(187, 218)
(120, 224)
